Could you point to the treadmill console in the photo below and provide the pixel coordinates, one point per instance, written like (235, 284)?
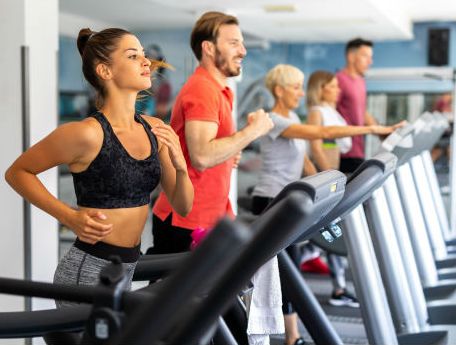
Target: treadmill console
(401, 137)
(322, 188)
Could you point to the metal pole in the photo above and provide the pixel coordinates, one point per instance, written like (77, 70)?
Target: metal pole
(390, 262)
(436, 194)
(223, 335)
(429, 214)
(405, 247)
(366, 277)
(416, 227)
(25, 89)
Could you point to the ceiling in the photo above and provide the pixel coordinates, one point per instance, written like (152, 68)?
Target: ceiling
(272, 20)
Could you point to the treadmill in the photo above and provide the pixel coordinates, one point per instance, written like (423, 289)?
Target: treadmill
(437, 284)
(112, 309)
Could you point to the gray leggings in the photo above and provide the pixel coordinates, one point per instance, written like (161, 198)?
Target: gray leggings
(80, 268)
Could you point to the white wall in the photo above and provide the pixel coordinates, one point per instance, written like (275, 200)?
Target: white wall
(70, 24)
(34, 24)
(42, 38)
(11, 246)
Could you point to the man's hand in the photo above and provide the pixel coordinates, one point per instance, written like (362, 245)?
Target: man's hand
(260, 121)
(237, 159)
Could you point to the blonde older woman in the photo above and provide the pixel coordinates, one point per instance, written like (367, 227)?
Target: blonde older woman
(283, 153)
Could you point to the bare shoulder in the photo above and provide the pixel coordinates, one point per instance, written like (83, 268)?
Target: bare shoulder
(153, 121)
(314, 116)
(87, 132)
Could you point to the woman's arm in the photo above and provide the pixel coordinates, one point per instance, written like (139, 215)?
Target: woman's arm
(308, 168)
(65, 145)
(316, 146)
(312, 132)
(174, 180)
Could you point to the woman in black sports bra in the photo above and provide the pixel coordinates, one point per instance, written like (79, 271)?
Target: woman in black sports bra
(117, 157)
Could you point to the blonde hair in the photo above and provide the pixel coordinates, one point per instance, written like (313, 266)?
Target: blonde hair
(283, 75)
(317, 81)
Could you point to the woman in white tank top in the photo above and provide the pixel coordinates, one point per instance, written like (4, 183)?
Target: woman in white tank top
(322, 94)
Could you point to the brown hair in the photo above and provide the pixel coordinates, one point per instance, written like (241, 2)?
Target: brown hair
(97, 47)
(317, 81)
(207, 28)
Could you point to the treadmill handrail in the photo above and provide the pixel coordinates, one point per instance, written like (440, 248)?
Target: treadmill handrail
(225, 234)
(362, 183)
(149, 267)
(144, 328)
(80, 293)
(310, 185)
(39, 322)
(136, 296)
(191, 326)
(386, 161)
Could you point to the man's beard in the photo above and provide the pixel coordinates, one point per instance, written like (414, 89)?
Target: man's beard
(222, 65)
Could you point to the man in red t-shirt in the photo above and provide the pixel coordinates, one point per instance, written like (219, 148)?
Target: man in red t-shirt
(352, 99)
(202, 118)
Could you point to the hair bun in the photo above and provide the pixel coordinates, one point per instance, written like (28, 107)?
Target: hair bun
(83, 37)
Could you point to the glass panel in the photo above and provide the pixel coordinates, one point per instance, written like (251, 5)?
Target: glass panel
(397, 108)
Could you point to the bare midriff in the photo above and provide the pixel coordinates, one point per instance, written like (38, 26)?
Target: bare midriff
(128, 224)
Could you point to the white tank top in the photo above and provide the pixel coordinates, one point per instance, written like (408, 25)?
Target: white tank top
(331, 117)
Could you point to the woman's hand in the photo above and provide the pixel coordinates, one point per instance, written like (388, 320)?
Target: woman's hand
(381, 130)
(400, 124)
(385, 130)
(175, 180)
(166, 135)
(87, 226)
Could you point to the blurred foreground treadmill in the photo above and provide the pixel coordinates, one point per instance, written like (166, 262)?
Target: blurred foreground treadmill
(212, 266)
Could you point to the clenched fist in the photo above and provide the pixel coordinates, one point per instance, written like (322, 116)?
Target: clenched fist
(260, 121)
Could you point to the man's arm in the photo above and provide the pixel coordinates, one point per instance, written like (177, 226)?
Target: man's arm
(206, 151)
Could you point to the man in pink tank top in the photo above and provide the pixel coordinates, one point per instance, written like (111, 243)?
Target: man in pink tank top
(352, 99)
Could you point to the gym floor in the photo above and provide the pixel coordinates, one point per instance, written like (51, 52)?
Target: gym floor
(346, 321)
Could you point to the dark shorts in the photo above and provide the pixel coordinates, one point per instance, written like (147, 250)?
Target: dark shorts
(259, 204)
(168, 238)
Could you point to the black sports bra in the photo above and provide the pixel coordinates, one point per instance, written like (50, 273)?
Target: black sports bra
(114, 179)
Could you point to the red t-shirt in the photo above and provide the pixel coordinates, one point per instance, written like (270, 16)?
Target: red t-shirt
(202, 98)
(352, 106)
